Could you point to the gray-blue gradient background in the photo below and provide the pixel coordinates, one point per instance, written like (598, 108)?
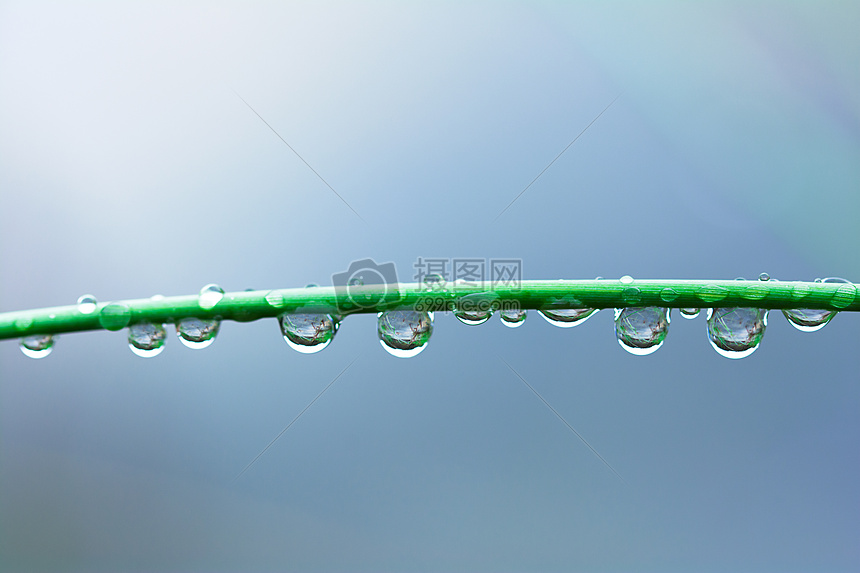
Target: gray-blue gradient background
(129, 167)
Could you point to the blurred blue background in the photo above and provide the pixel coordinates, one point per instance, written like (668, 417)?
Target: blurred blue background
(129, 167)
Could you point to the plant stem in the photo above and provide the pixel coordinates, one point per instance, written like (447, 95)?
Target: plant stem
(253, 305)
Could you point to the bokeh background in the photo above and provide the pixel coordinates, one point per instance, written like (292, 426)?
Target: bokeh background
(129, 167)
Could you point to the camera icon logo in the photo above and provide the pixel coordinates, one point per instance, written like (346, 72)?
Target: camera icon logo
(365, 284)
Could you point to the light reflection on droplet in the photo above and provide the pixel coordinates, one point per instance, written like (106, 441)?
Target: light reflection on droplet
(404, 333)
(37, 346)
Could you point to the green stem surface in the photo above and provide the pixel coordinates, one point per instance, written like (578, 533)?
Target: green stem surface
(253, 305)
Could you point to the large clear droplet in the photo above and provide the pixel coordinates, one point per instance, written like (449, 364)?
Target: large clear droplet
(641, 330)
(689, 313)
(307, 333)
(37, 346)
(87, 304)
(210, 295)
(513, 318)
(404, 333)
(736, 332)
(197, 332)
(566, 317)
(146, 339)
(809, 320)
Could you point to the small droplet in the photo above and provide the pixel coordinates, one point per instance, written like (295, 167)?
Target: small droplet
(115, 316)
(736, 332)
(434, 282)
(197, 332)
(404, 333)
(307, 333)
(809, 320)
(844, 295)
(23, 322)
(631, 295)
(156, 297)
(755, 292)
(276, 299)
(473, 315)
(87, 304)
(800, 291)
(146, 339)
(668, 294)
(641, 330)
(566, 317)
(764, 277)
(626, 279)
(37, 346)
(689, 313)
(210, 295)
(712, 293)
(513, 318)
(356, 281)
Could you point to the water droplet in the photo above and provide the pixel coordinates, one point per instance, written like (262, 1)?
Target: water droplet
(156, 297)
(197, 332)
(631, 295)
(800, 291)
(689, 313)
(210, 295)
(809, 320)
(146, 339)
(712, 293)
(356, 281)
(307, 333)
(87, 304)
(37, 346)
(817, 281)
(736, 332)
(404, 333)
(641, 330)
(513, 318)
(668, 294)
(276, 299)
(566, 317)
(115, 316)
(472, 314)
(755, 292)
(626, 279)
(764, 277)
(844, 295)
(434, 282)
(23, 322)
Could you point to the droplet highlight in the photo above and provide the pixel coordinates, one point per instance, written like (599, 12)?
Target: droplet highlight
(641, 330)
(626, 279)
(275, 299)
(37, 346)
(404, 333)
(513, 318)
(307, 333)
(87, 304)
(736, 332)
(147, 339)
(197, 333)
(210, 295)
(566, 317)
